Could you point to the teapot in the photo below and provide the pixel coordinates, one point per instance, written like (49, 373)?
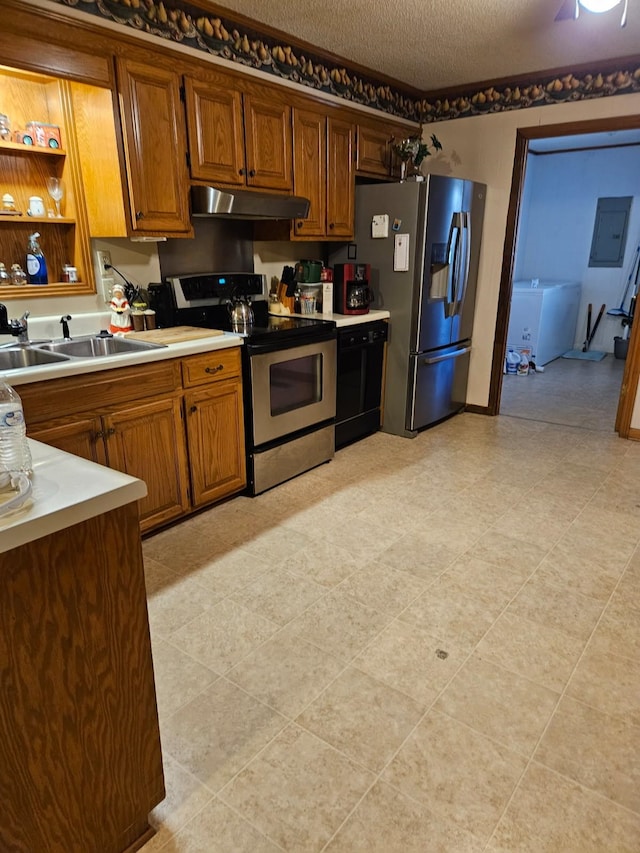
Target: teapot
(241, 314)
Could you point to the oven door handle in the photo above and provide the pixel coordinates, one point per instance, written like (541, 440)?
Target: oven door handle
(456, 354)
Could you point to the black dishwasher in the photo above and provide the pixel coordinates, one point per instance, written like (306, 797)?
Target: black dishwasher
(359, 380)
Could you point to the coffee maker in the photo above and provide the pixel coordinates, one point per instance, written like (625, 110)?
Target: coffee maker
(351, 291)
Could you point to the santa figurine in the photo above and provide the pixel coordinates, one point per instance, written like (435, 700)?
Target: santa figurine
(120, 311)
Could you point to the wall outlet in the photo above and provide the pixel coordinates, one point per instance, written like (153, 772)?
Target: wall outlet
(104, 277)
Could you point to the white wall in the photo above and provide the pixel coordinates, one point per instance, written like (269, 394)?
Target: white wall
(556, 227)
(482, 148)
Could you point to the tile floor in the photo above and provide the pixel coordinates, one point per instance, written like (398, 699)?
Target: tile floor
(570, 391)
(425, 645)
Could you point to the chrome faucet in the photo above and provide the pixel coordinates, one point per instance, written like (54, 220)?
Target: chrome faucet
(21, 328)
(18, 328)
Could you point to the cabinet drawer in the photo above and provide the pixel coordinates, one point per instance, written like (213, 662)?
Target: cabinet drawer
(210, 367)
(97, 391)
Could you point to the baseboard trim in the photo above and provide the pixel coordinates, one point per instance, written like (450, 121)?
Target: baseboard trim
(479, 410)
(634, 434)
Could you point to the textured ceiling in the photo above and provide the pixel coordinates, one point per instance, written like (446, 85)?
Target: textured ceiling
(435, 44)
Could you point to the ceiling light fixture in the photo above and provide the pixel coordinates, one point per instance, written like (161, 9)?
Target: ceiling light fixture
(599, 6)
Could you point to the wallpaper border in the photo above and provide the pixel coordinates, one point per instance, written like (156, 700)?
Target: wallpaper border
(189, 25)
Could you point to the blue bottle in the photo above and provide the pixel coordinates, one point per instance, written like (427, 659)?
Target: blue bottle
(36, 263)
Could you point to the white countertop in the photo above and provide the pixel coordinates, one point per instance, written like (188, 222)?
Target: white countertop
(66, 491)
(73, 367)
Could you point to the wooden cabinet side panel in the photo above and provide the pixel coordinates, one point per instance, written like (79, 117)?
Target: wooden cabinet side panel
(153, 124)
(147, 441)
(80, 759)
(340, 179)
(216, 142)
(216, 441)
(268, 143)
(310, 170)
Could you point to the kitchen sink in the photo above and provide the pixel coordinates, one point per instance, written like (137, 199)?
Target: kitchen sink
(13, 358)
(95, 347)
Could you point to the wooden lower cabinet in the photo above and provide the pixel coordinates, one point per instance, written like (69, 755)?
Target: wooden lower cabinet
(215, 436)
(81, 437)
(146, 438)
(147, 441)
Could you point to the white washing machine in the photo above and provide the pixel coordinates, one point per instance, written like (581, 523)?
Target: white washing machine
(543, 318)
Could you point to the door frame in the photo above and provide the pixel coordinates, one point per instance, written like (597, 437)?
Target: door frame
(631, 374)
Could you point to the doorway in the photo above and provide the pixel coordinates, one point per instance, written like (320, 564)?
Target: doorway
(581, 393)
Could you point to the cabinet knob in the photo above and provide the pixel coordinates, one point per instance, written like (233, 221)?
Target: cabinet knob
(111, 431)
(242, 171)
(193, 409)
(252, 173)
(331, 225)
(215, 369)
(299, 223)
(97, 435)
(139, 214)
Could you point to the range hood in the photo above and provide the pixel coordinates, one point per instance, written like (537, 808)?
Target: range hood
(244, 204)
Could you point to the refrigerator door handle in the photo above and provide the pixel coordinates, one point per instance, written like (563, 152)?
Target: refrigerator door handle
(456, 235)
(463, 270)
(456, 354)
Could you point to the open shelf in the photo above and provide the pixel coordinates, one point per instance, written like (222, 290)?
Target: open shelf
(25, 169)
(36, 220)
(21, 148)
(54, 288)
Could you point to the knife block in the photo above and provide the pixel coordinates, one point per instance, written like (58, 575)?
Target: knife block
(287, 301)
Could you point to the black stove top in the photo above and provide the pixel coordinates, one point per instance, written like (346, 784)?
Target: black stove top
(280, 332)
(284, 326)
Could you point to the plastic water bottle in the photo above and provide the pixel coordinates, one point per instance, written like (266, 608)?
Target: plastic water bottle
(15, 455)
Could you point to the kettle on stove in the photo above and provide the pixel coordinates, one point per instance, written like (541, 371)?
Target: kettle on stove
(241, 313)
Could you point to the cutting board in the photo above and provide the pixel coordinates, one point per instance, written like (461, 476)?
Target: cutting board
(175, 335)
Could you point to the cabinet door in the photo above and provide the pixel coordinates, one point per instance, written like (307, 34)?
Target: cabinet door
(155, 147)
(374, 152)
(82, 437)
(340, 178)
(216, 141)
(215, 433)
(267, 129)
(147, 441)
(310, 170)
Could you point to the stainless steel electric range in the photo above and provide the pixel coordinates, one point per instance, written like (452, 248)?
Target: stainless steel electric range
(289, 371)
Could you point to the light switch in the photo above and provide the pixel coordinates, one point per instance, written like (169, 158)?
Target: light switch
(401, 253)
(380, 226)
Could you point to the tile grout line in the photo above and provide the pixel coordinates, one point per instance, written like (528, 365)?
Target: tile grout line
(551, 717)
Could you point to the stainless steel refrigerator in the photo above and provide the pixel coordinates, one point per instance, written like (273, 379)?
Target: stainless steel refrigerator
(422, 240)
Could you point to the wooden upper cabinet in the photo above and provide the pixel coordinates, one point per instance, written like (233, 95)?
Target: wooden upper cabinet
(267, 134)
(374, 151)
(238, 139)
(155, 147)
(216, 135)
(340, 178)
(310, 170)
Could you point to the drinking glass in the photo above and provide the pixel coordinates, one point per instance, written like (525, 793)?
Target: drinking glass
(56, 191)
